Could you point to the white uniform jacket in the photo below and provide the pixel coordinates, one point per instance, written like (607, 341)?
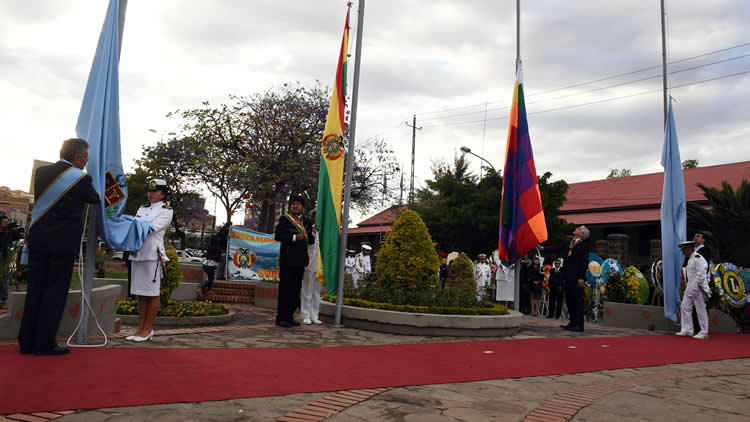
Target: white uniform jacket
(349, 265)
(313, 251)
(696, 276)
(482, 274)
(160, 217)
(362, 264)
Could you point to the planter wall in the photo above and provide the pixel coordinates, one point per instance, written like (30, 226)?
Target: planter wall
(426, 324)
(647, 317)
(266, 294)
(103, 302)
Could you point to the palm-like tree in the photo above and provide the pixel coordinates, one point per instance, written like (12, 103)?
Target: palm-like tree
(728, 220)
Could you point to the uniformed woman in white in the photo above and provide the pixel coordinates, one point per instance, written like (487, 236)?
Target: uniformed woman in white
(148, 262)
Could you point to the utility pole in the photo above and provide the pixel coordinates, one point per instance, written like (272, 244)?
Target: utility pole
(414, 129)
(664, 59)
(401, 189)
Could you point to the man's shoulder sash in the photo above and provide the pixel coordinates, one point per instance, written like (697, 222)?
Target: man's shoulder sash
(59, 187)
(297, 223)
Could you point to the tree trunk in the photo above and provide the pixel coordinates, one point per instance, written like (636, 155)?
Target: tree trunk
(267, 214)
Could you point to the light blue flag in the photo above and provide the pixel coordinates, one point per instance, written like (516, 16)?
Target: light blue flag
(673, 218)
(99, 125)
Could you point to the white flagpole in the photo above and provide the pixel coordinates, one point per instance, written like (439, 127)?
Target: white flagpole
(349, 165)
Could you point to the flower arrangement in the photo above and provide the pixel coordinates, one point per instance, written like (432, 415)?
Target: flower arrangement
(631, 285)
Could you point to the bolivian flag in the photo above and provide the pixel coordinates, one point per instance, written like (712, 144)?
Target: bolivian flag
(522, 225)
(330, 181)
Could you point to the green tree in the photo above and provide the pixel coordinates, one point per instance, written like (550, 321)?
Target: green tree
(172, 275)
(689, 164)
(167, 161)
(728, 220)
(409, 253)
(615, 173)
(137, 190)
(463, 214)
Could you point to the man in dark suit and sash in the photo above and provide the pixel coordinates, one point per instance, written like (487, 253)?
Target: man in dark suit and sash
(61, 191)
(574, 273)
(295, 234)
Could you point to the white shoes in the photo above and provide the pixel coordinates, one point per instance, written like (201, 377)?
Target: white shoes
(316, 321)
(685, 333)
(701, 336)
(306, 321)
(130, 338)
(142, 339)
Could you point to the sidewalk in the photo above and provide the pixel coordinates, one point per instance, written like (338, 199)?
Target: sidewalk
(696, 391)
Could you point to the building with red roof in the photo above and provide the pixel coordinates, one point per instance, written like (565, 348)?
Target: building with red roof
(631, 205)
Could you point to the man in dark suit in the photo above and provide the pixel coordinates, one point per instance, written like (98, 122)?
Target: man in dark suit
(574, 273)
(556, 293)
(53, 243)
(295, 234)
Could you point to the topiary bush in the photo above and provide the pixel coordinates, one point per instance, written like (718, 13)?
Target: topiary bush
(460, 288)
(408, 253)
(172, 275)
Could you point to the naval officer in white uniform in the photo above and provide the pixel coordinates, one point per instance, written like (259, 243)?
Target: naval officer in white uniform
(148, 262)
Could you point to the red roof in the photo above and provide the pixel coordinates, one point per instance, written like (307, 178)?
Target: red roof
(638, 198)
(386, 217)
(369, 229)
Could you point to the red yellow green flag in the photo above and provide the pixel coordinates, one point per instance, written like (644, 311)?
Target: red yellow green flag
(330, 180)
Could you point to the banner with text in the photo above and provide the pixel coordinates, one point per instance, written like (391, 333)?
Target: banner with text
(252, 256)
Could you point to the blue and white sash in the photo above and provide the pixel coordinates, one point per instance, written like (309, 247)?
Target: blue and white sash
(59, 187)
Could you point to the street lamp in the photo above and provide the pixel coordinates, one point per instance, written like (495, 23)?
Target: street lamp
(162, 134)
(467, 150)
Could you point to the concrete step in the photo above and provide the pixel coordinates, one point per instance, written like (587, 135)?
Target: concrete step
(219, 284)
(230, 299)
(232, 292)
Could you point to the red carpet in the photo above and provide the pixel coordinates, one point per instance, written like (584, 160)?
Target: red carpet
(100, 378)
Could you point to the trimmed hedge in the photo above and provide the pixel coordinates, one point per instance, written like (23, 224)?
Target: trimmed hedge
(496, 309)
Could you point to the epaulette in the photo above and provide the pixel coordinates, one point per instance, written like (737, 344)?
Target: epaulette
(696, 254)
(146, 205)
(167, 206)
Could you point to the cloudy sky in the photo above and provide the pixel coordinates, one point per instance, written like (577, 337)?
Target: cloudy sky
(440, 60)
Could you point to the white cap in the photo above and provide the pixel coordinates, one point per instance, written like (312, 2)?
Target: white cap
(367, 247)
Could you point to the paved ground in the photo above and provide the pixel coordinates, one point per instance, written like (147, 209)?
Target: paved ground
(700, 391)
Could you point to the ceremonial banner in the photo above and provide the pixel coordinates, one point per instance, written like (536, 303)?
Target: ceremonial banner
(331, 178)
(522, 224)
(99, 125)
(673, 218)
(252, 256)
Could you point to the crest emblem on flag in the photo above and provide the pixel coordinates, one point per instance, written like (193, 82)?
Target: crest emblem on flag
(333, 146)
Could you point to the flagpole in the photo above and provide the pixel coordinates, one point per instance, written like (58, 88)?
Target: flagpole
(664, 60)
(517, 266)
(92, 242)
(349, 165)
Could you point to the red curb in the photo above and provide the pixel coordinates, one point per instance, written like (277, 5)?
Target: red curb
(318, 410)
(326, 406)
(314, 412)
(302, 416)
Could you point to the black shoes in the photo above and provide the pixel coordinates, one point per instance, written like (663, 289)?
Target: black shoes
(575, 328)
(295, 323)
(56, 350)
(565, 327)
(285, 324)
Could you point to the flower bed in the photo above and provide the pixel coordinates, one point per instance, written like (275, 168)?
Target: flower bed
(496, 309)
(174, 308)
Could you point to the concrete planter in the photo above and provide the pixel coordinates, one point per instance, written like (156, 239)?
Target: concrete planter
(103, 303)
(426, 324)
(627, 315)
(181, 322)
(266, 294)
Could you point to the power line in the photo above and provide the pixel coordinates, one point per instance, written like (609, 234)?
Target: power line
(592, 81)
(604, 100)
(600, 88)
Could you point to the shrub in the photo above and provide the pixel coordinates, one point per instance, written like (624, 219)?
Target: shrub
(616, 288)
(460, 288)
(485, 309)
(408, 252)
(173, 308)
(172, 275)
